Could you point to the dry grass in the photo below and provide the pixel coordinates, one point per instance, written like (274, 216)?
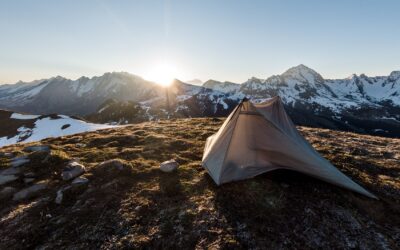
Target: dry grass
(142, 207)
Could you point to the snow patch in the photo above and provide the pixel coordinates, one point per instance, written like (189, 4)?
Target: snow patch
(23, 117)
(47, 127)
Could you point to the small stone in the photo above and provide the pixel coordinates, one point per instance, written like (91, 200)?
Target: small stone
(11, 171)
(59, 196)
(308, 210)
(80, 181)
(7, 192)
(37, 148)
(284, 185)
(61, 220)
(137, 208)
(19, 161)
(29, 174)
(72, 170)
(80, 145)
(7, 178)
(28, 180)
(29, 192)
(109, 184)
(169, 166)
(6, 154)
(115, 163)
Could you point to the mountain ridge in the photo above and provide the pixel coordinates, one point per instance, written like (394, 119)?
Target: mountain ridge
(358, 103)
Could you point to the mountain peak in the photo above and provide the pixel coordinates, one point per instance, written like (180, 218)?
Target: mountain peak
(254, 80)
(394, 76)
(195, 82)
(303, 72)
(59, 78)
(300, 68)
(210, 83)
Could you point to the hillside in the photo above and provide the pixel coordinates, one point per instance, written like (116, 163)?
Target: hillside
(130, 203)
(19, 128)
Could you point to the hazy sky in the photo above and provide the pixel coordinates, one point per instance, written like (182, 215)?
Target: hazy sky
(223, 40)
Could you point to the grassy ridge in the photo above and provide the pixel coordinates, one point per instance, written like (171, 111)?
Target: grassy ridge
(142, 207)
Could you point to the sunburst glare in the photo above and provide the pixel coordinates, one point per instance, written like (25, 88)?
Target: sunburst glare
(162, 73)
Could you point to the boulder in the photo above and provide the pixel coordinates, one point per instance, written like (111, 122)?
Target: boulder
(37, 148)
(169, 166)
(7, 192)
(7, 178)
(72, 170)
(29, 192)
(19, 161)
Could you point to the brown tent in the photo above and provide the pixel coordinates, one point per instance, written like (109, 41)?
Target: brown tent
(257, 138)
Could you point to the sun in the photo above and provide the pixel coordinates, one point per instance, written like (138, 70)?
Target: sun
(162, 73)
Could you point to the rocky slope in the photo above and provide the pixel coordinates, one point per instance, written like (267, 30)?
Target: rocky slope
(129, 203)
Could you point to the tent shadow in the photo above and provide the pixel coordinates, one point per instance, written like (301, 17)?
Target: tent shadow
(270, 204)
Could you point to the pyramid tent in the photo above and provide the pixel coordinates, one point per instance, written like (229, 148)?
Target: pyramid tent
(258, 138)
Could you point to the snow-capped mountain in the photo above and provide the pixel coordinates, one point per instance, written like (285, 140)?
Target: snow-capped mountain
(79, 97)
(300, 85)
(19, 128)
(197, 82)
(358, 103)
(225, 87)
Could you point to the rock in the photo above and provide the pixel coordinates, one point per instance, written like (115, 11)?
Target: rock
(109, 184)
(61, 220)
(112, 164)
(7, 192)
(6, 154)
(80, 181)
(29, 175)
(284, 185)
(72, 170)
(19, 161)
(37, 148)
(169, 166)
(11, 171)
(28, 180)
(80, 145)
(59, 196)
(61, 192)
(29, 192)
(7, 178)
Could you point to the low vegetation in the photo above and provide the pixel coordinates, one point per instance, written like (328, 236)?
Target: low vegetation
(138, 206)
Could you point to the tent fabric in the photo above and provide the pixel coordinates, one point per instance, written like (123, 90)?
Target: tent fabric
(258, 138)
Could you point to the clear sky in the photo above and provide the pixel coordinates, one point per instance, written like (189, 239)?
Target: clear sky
(223, 40)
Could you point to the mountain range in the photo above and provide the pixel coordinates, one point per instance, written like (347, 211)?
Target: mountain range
(358, 103)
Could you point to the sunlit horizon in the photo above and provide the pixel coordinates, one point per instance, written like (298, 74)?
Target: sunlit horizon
(222, 40)
(162, 72)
